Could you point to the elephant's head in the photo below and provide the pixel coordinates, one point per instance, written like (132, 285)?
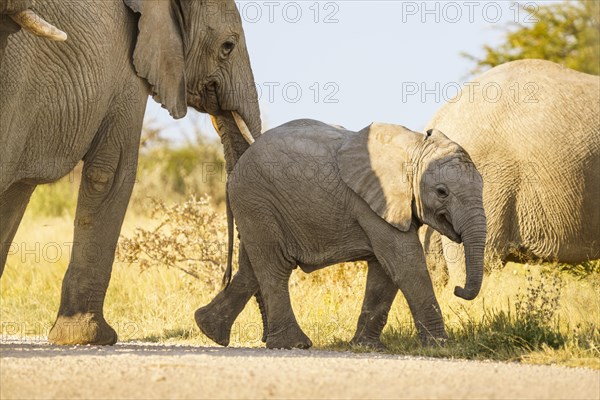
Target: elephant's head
(407, 178)
(193, 53)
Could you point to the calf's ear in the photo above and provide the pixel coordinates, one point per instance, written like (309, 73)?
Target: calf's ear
(376, 165)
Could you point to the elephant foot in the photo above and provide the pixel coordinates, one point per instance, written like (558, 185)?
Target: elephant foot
(213, 325)
(371, 344)
(289, 338)
(82, 329)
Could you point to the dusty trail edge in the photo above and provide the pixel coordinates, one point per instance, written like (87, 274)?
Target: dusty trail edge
(157, 371)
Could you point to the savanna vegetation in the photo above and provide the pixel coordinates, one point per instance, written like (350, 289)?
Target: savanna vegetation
(173, 250)
(566, 33)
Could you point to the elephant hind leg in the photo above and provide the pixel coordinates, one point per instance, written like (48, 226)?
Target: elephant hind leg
(13, 203)
(263, 314)
(273, 271)
(379, 296)
(216, 319)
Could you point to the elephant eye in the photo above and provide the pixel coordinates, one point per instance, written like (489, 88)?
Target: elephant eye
(227, 48)
(442, 191)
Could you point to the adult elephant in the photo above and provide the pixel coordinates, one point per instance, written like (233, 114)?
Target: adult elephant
(532, 128)
(84, 99)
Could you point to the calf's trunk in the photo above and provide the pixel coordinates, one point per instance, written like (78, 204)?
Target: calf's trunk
(473, 237)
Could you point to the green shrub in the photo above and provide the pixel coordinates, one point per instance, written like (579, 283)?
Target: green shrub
(583, 270)
(173, 173)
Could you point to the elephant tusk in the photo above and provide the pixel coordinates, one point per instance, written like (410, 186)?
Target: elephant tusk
(239, 121)
(215, 125)
(35, 24)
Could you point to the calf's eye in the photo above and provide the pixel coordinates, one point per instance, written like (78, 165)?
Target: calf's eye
(441, 191)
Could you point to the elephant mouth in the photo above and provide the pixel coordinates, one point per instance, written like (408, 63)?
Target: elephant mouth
(446, 227)
(205, 102)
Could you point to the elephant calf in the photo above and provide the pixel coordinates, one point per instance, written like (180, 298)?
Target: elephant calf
(311, 195)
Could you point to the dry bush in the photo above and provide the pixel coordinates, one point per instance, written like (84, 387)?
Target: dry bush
(190, 237)
(540, 301)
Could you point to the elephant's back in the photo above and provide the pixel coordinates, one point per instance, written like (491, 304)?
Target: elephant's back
(303, 137)
(288, 185)
(538, 99)
(299, 143)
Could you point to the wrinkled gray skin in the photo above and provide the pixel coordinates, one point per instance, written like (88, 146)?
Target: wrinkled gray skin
(7, 26)
(84, 99)
(8, 7)
(538, 150)
(311, 195)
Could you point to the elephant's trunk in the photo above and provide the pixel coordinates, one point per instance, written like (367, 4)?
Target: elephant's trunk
(236, 137)
(235, 141)
(473, 236)
(239, 121)
(238, 124)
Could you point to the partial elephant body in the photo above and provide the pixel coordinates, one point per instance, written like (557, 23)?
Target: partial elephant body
(70, 90)
(532, 128)
(13, 6)
(16, 14)
(309, 194)
(315, 240)
(7, 25)
(84, 99)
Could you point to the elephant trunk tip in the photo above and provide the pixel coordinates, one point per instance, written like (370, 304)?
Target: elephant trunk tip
(467, 294)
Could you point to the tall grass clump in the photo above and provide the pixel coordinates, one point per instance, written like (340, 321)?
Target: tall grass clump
(527, 329)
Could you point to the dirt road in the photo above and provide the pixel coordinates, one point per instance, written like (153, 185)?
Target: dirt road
(127, 371)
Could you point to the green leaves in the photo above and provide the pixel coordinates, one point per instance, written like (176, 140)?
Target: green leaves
(566, 33)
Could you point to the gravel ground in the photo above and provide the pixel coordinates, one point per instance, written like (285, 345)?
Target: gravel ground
(150, 371)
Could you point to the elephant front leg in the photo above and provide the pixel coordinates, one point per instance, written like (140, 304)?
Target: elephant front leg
(404, 261)
(379, 296)
(216, 319)
(425, 309)
(418, 290)
(106, 185)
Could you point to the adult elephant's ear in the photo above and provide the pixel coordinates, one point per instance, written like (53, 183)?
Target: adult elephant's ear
(158, 55)
(374, 163)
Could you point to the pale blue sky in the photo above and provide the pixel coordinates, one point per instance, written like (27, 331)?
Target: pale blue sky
(356, 62)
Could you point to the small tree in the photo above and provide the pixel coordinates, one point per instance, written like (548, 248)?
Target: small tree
(566, 33)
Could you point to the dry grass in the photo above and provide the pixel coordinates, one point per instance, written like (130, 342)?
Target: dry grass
(533, 314)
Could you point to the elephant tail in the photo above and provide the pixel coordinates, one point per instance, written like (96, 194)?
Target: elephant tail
(230, 228)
